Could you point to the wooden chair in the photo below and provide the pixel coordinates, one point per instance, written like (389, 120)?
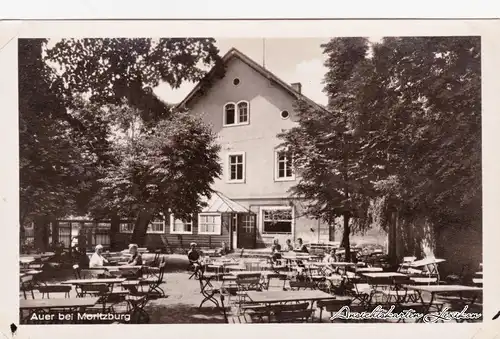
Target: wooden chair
(243, 318)
(307, 284)
(290, 313)
(47, 289)
(398, 293)
(332, 306)
(77, 271)
(27, 285)
(153, 282)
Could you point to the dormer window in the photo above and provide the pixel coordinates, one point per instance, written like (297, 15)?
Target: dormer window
(236, 113)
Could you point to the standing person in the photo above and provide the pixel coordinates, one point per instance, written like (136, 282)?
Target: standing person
(97, 260)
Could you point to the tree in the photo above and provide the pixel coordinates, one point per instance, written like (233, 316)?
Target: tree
(433, 128)
(64, 148)
(111, 69)
(414, 104)
(329, 145)
(46, 155)
(163, 169)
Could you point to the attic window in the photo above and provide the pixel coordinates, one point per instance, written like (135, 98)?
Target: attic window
(236, 81)
(236, 113)
(285, 114)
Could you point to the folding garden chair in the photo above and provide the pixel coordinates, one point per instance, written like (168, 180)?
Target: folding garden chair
(47, 289)
(154, 282)
(332, 306)
(290, 313)
(27, 285)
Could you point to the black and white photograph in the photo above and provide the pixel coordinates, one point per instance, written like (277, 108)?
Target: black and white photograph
(173, 180)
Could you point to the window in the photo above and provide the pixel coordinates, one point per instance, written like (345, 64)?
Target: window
(157, 226)
(283, 167)
(178, 226)
(236, 114)
(209, 223)
(229, 114)
(104, 225)
(285, 114)
(126, 227)
(277, 220)
(242, 112)
(248, 223)
(236, 170)
(236, 81)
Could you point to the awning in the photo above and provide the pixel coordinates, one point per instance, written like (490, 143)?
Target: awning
(219, 203)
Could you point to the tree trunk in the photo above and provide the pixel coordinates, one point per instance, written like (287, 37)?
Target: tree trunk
(392, 240)
(55, 231)
(140, 228)
(113, 232)
(331, 232)
(41, 229)
(345, 238)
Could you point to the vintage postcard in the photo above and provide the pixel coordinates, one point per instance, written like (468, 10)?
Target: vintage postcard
(314, 172)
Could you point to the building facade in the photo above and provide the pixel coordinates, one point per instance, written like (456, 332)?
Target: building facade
(247, 109)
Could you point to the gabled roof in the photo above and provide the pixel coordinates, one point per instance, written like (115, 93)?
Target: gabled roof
(219, 203)
(234, 53)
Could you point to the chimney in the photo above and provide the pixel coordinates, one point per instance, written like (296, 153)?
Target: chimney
(297, 86)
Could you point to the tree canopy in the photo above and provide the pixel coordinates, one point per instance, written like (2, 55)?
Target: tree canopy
(72, 158)
(403, 126)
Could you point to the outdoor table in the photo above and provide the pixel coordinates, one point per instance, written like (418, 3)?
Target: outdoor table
(430, 263)
(477, 281)
(424, 280)
(341, 264)
(235, 268)
(70, 304)
(94, 281)
(439, 289)
(26, 261)
(272, 297)
(383, 274)
(369, 270)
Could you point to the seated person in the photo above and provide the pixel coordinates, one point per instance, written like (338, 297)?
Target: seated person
(193, 254)
(97, 260)
(288, 246)
(330, 257)
(194, 258)
(301, 247)
(223, 250)
(275, 251)
(136, 258)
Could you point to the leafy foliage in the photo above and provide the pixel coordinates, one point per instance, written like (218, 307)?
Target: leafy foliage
(165, 168)
(95, 139)
(47, 157)
(112, 69)
(401, 134)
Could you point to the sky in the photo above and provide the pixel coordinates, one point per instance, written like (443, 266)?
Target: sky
(292, 60)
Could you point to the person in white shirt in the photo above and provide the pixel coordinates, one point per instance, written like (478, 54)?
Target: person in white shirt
(97, 260)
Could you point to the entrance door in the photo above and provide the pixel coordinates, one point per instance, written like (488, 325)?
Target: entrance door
(247, 230)
(234, 231)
